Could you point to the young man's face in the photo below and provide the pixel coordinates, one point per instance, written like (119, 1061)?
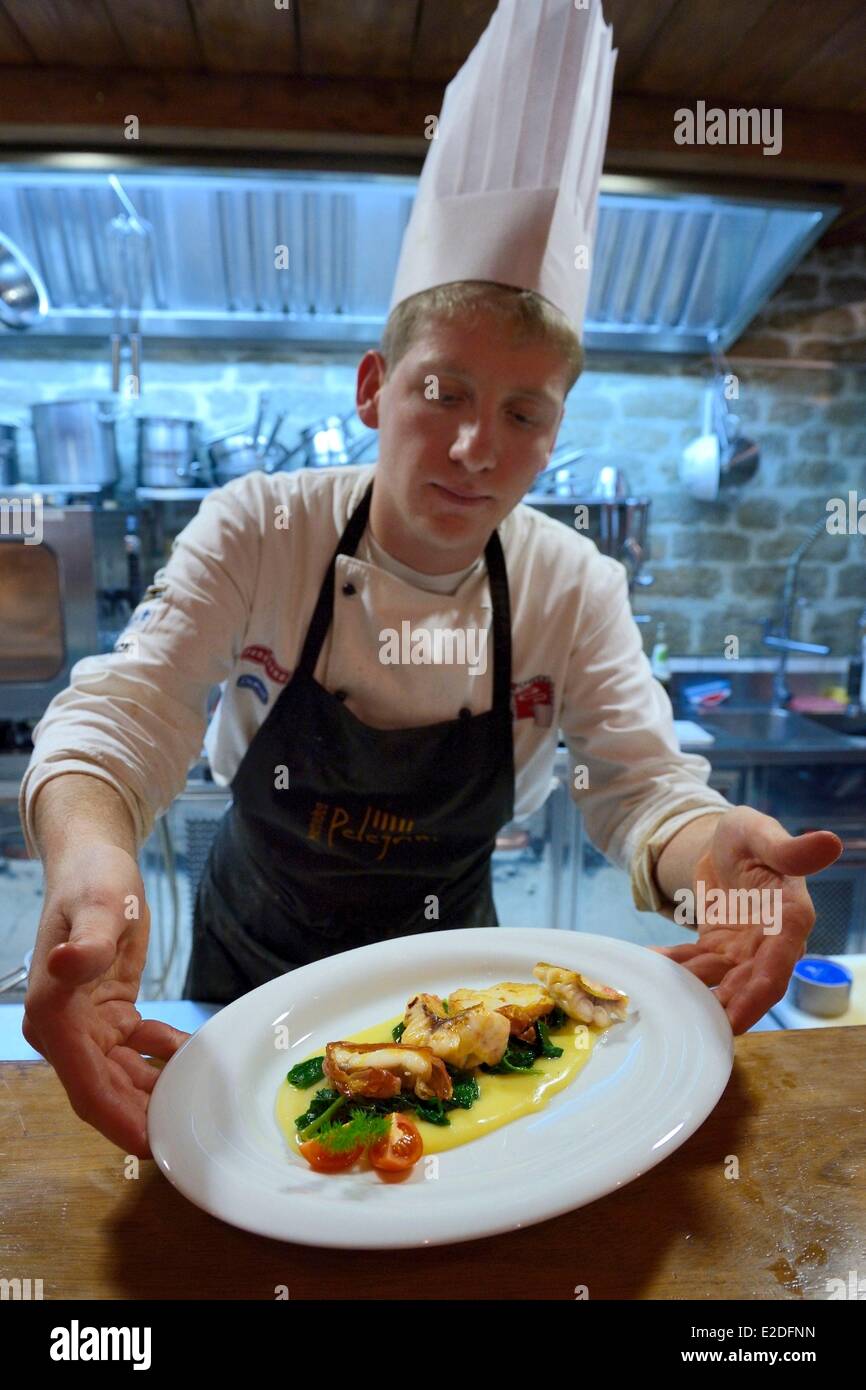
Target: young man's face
(466, 421)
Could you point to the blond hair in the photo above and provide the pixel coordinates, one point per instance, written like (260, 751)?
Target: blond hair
(526, 316)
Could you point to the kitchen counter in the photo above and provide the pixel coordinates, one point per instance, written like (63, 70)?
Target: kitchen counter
(793, 1117)
(752, 736)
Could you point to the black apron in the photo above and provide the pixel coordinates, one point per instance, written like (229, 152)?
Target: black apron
(380, 833)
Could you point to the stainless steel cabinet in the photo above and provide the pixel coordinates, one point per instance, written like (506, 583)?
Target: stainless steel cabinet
(537, 861)
(172, 861)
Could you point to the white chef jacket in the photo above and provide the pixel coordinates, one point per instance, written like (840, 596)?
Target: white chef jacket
(233, 603)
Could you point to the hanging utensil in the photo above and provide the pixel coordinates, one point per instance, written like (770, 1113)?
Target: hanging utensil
(138, 265)
(739, 455)
(23, 297)
(700, 460)
(129, 243)
(128, 262)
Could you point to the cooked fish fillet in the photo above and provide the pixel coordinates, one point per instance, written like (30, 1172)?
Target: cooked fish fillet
(581, 998)
(521, 1004)
(380, 1070)
(463, 1037)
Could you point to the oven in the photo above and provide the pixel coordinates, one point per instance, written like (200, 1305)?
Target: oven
(48, 601)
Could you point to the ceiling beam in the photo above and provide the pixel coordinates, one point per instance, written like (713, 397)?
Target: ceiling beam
(65, 107)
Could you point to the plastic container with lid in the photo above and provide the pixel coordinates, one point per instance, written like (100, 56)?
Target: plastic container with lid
(821, 986)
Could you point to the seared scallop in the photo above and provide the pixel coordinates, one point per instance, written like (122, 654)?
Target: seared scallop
(462, 1037)
(586, 1000)
(521, 1004)
(381, 1070)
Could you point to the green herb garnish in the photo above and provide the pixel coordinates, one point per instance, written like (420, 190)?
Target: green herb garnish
(515, 1058)
(365, 1127)
(306, 1074)
(397, 1033)
(465, 1093)
(547, 1048)
(433, 1111)
(324, 1104)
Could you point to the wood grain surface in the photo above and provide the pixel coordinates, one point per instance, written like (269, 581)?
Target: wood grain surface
(793, 1117)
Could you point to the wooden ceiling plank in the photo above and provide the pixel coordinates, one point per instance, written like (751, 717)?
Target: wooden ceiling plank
(696, 37)
(156, 33)
(80, 35)
(356, 38)
(13, 46)
(447, 32)
(836, 68)
(634, 29)
(783, 41)
(247, 35)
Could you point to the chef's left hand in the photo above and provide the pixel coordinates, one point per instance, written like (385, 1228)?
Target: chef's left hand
(750, 963)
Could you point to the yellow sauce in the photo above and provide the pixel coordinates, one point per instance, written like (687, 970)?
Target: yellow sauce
(502, 1098)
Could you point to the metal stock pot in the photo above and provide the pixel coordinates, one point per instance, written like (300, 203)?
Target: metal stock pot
(168, 452)
(76, 442)
(8, 455)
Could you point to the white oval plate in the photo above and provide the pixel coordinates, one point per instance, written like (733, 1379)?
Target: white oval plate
(648, 1085)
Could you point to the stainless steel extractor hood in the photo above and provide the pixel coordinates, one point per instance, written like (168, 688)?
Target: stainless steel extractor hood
(310, 256)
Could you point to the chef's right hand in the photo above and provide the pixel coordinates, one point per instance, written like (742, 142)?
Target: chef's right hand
(79, 1011)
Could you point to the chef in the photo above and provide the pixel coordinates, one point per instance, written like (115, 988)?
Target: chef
(397, 646)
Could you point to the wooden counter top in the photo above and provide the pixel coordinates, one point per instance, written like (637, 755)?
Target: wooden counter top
(793, 1115)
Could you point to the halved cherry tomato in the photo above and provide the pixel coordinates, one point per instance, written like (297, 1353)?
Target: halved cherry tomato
(326, 1160)
(399, 1148)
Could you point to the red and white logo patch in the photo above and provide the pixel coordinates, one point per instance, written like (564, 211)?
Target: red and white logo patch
(265, 657)
(533, 699)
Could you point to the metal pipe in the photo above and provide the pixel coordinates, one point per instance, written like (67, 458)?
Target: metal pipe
(782, 640)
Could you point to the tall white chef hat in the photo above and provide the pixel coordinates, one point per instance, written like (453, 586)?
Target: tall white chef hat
(509, 188)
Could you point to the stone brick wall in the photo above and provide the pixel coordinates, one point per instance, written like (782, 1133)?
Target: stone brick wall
(718, 566)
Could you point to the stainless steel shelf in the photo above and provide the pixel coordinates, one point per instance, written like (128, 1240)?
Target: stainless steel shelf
(51, 489)
(172, 494)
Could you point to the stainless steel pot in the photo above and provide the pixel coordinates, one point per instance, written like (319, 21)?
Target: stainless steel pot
(335, 440)
(8, 455)
(619, 526)
(168, 452)
(76, 442)
(237, 454)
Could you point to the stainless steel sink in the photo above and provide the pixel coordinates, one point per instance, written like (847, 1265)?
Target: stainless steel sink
(853, 725)
(776, 726)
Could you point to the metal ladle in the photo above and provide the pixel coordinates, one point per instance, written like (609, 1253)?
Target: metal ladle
(129, 243)
(740, 455)
(23, 297)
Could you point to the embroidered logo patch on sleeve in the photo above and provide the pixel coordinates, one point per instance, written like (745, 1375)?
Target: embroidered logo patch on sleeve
(265, 657)
(533, 699)
(249, 682)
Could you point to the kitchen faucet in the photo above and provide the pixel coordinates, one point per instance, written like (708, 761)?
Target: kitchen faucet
(782, 640)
